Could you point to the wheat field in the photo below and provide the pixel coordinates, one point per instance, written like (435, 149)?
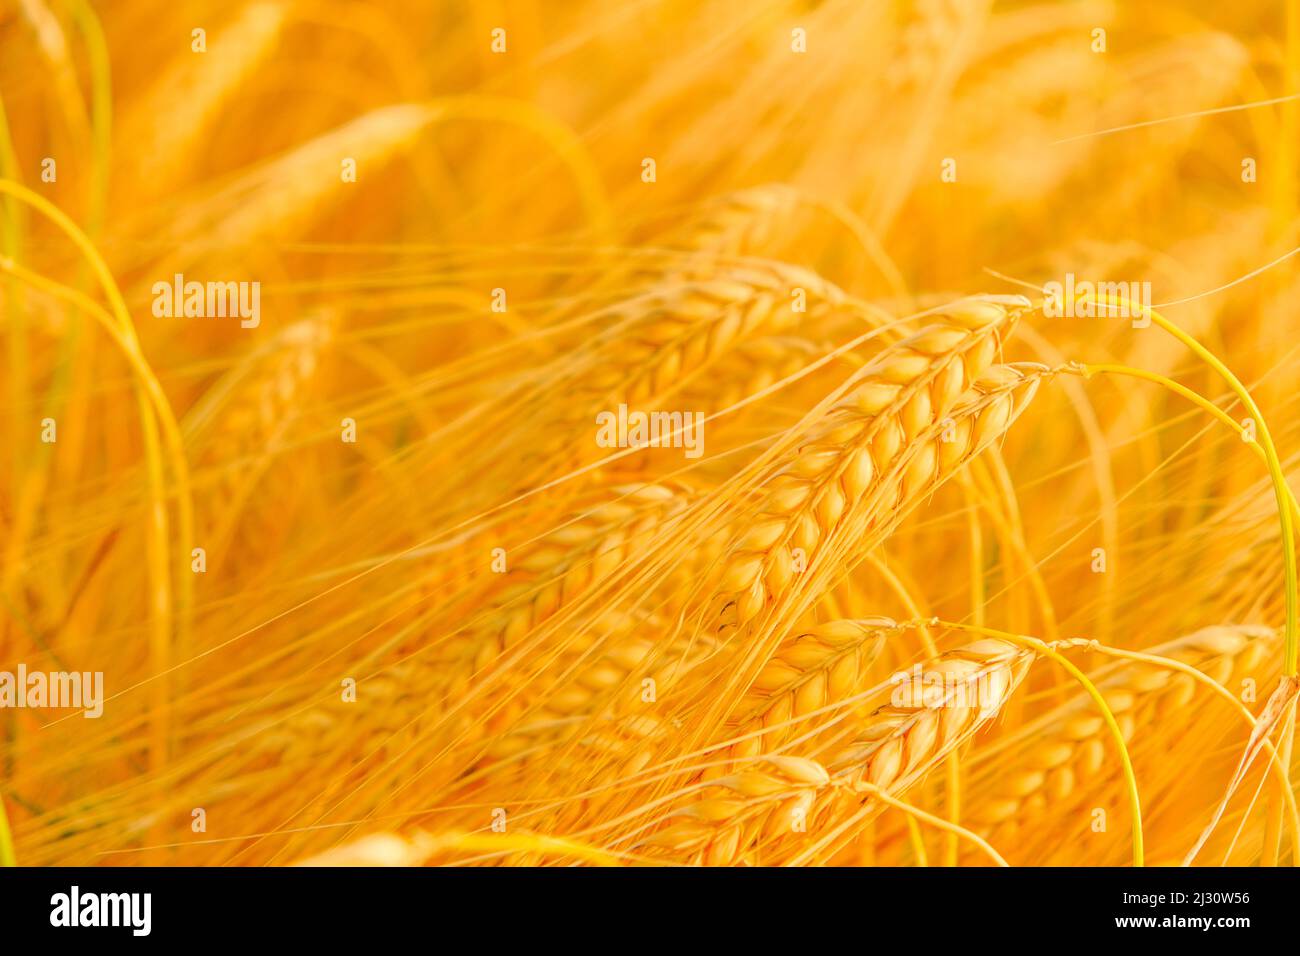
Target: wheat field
(649, 433)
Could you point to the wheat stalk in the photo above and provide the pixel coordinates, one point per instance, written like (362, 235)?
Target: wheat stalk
(772, 813)
(167, 122)
(243, 418)
(848, 463)
(563, 565)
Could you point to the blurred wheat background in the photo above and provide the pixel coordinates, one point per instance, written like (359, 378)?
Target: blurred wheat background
(476, 634)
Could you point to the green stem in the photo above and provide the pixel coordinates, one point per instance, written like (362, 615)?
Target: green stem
(7, 857)
(1197, 398)
(1281, 491)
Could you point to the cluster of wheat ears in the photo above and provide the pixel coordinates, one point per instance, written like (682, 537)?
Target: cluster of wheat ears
(954, 579)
